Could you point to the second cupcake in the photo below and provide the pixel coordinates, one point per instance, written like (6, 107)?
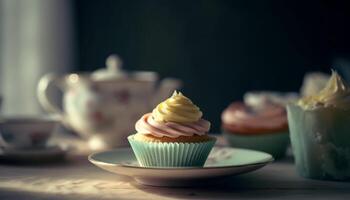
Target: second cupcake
(173, 135)
(260, 123)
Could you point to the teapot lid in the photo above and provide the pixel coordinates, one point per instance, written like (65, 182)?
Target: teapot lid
(113, 69)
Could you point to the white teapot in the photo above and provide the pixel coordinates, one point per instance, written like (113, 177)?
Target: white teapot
(103, 106)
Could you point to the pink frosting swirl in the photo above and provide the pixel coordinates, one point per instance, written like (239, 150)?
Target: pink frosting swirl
(147, 125)
(241, 118)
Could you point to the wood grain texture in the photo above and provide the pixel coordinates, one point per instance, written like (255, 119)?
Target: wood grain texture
(76, 178)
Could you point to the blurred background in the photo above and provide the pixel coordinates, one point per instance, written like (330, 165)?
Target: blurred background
(219, 49)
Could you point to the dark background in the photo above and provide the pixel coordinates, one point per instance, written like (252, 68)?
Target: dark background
(220, 49)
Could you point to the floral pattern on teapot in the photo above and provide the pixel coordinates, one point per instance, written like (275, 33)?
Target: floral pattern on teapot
(106, 109)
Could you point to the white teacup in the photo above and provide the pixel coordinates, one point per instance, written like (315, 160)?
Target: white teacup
(26, 132)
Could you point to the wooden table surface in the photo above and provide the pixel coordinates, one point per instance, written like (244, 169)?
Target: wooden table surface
(77, 179)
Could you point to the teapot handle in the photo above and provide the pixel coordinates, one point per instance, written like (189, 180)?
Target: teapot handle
(43, 94)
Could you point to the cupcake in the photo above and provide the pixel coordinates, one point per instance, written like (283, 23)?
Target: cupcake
(259, 123)
(313, 83)
(319, 129)
(173, 135)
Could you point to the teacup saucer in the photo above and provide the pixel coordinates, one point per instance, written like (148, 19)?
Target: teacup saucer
(50, 153)
(222, 162)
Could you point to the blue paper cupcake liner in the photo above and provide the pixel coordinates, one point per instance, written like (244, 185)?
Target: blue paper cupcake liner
(273, 143)
(171, 154)
(320, 141)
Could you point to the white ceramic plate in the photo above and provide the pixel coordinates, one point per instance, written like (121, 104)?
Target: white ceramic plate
(222, 162)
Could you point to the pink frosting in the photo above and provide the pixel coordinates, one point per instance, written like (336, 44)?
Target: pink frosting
(243, 118)
(147, 125)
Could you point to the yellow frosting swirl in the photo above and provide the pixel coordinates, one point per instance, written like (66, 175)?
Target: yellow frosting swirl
(336, 93)
(177, 108)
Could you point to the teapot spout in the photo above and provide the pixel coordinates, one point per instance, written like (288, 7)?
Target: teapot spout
(166, 88)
